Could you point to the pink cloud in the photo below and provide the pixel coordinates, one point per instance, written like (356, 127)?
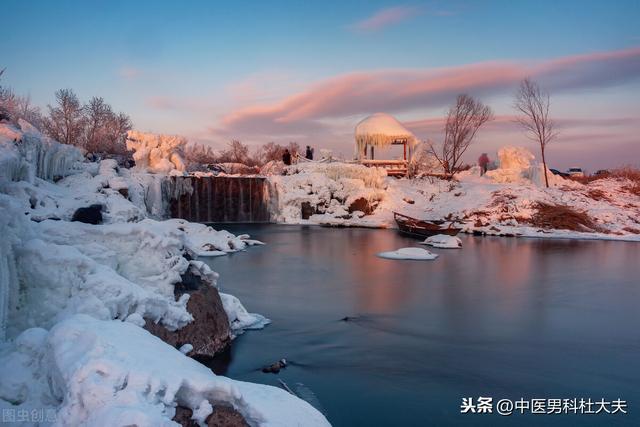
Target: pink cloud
(399, 90)
(385, 18)
(129, 73)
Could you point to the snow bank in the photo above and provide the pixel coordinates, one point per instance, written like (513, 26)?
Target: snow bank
(105, 373)
(443, 241)
(157, 153)
(409, 254)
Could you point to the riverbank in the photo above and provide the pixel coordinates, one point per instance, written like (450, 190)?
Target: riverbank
(502, 203)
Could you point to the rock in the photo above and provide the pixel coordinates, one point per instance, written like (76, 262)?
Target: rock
(124, 192)
(363, 205)
(89, 215)
(306, 210)
(186, 349)
(209, 332)
(222, 416)
(408, 200)
(275, 368)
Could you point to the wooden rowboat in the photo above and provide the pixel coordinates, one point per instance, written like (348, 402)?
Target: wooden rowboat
(422, 228)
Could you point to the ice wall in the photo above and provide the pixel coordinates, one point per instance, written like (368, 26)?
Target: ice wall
(25, 153)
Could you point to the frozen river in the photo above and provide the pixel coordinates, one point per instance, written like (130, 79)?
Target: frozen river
(501, 318)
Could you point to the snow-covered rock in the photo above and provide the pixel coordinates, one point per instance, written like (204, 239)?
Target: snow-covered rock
(239, 318)
(443, 241)
(409, 254)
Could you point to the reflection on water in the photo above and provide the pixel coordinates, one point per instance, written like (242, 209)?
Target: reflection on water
(507, 318)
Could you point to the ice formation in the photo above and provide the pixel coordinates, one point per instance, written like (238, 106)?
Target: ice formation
(26, 154)
(157, 153)
(516, 166)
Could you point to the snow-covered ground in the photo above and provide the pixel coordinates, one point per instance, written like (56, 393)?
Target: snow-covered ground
(74, 297)
(505, 201)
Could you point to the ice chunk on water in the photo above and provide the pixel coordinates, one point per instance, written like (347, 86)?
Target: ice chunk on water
(409, 253)
(443, 241)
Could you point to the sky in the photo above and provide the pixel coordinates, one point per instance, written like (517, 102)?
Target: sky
(261, 71)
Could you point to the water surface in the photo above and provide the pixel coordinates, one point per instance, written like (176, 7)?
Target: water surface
(505, 318)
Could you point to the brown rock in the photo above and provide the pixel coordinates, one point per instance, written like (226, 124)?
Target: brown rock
(361, 204)
(222, 416)
(306, 210)
(208, 333)
(124, 192)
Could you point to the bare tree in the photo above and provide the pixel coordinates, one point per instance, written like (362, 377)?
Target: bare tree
(533, 104)
(14, 107)
(236, 152)
(29, 112)
(66, 120)
(463, 121)
(270, 151)
(199, 154)
(97, 114)
(117, 126)
(5, 95)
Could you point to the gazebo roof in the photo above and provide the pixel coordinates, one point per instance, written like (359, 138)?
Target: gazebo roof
(381, 130)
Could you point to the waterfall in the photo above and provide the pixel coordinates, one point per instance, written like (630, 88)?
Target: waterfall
(210, 199)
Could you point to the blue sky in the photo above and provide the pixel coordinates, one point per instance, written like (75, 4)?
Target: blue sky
(220, 70)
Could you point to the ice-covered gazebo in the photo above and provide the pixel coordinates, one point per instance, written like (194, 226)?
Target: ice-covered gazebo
(381, 130)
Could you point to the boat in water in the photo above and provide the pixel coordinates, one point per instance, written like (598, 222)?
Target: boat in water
(423, 228)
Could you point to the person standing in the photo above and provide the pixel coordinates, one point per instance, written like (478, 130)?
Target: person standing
(483, 162)
(286, 157)
(309, 154)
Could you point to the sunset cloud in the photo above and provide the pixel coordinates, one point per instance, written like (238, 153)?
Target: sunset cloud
(129, 73)
(385, 18)
(399, 90)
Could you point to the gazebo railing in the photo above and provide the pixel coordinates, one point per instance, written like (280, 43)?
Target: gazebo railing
(393, 167)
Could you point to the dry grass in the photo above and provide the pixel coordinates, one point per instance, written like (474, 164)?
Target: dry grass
(633, 188)
(562, 217)
(626, 172)
(632, 174)
(597, 195)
